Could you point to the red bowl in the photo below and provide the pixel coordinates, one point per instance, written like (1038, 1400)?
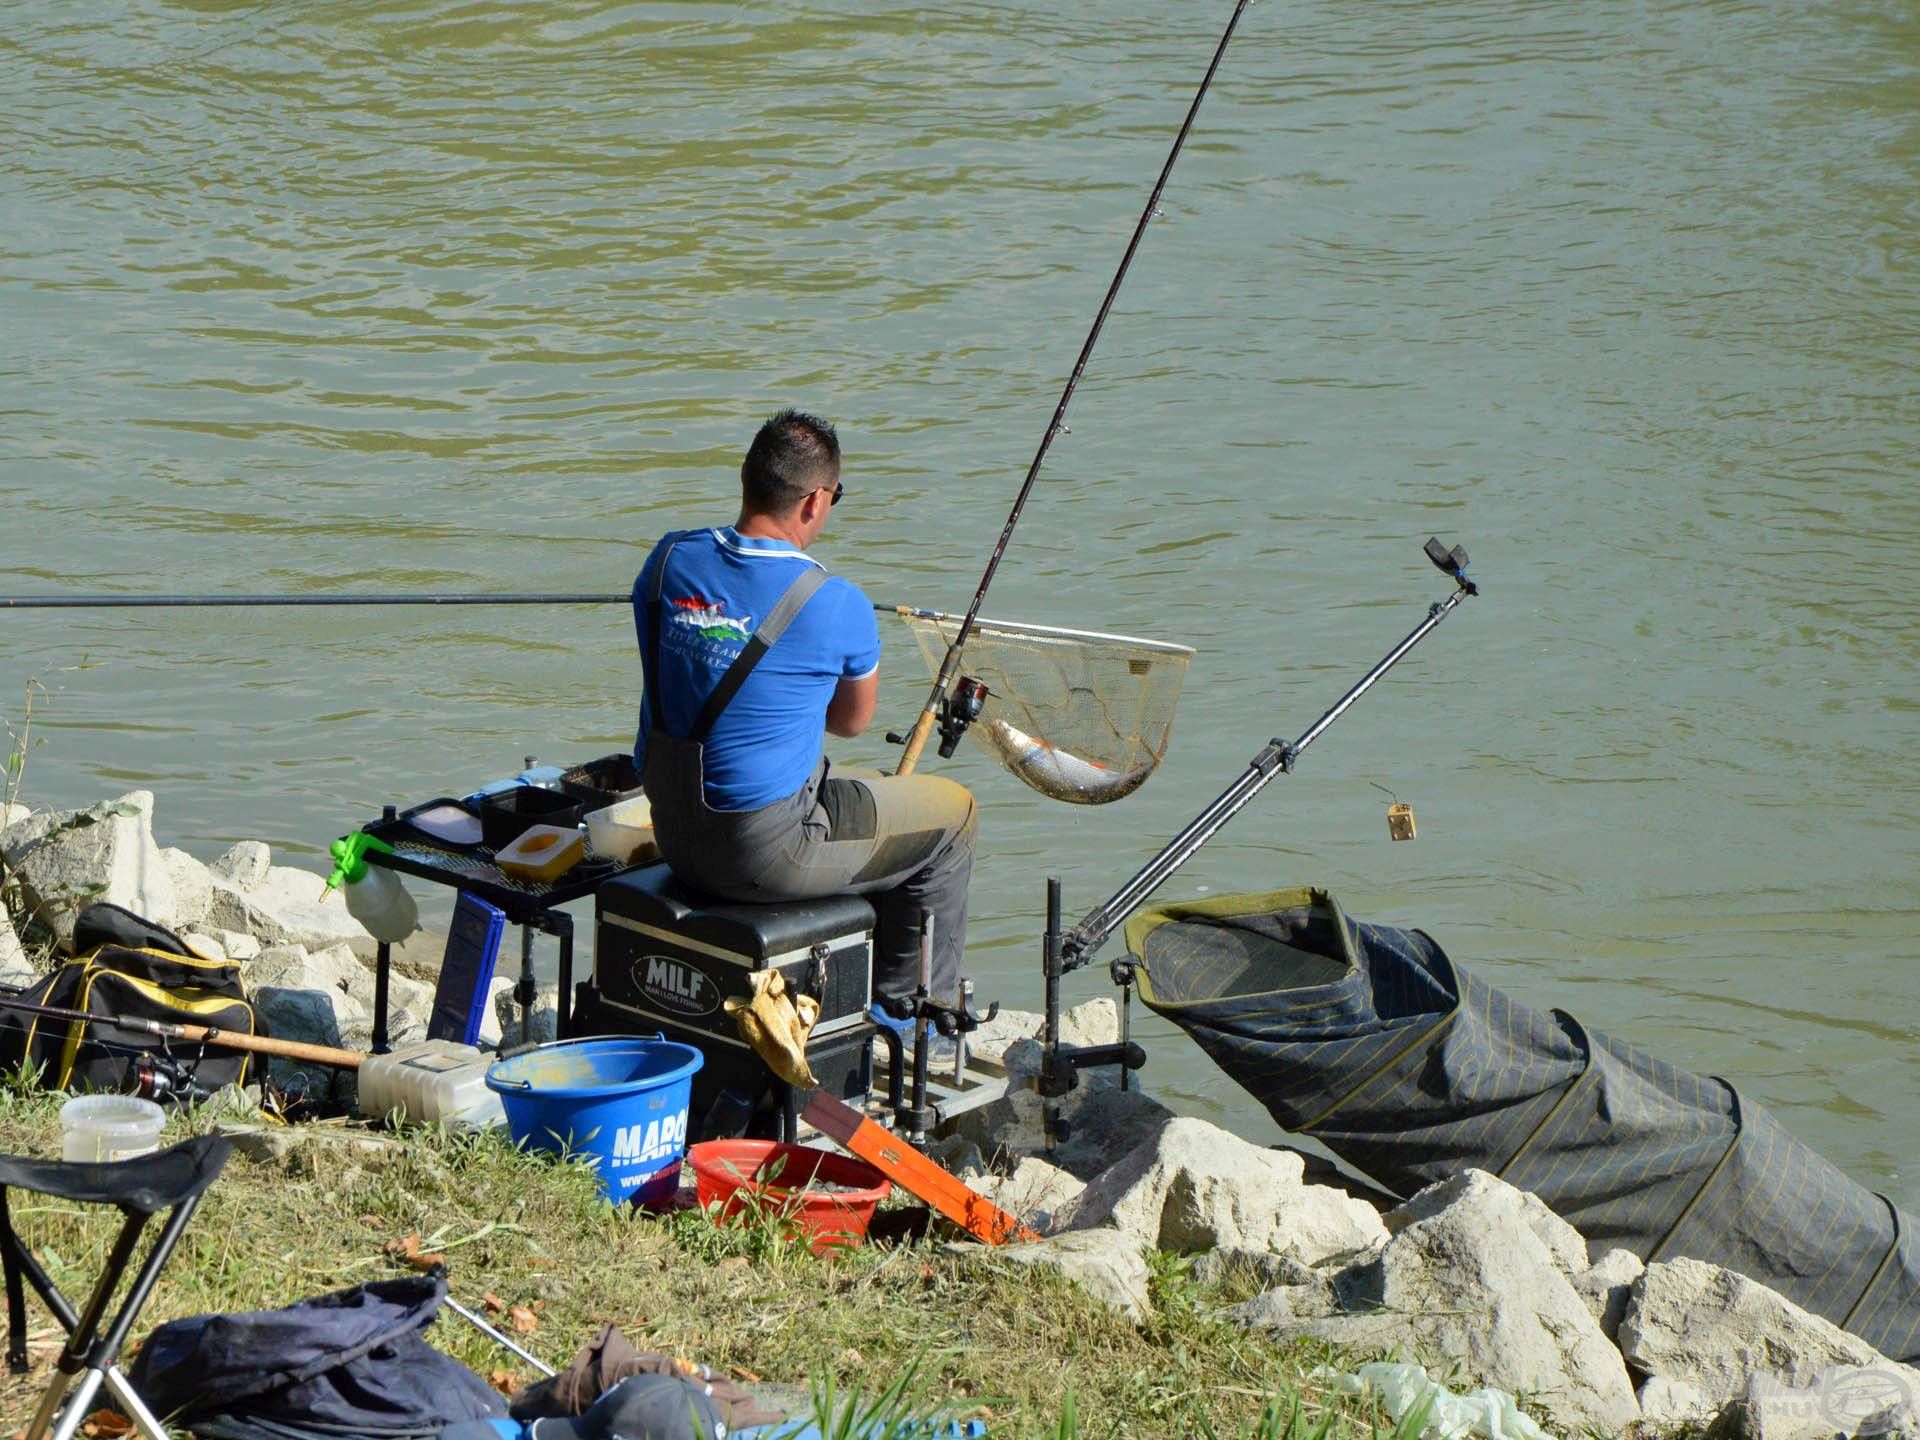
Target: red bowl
(735, 1176)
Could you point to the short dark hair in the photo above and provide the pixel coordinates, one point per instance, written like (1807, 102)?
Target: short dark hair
(794, 452)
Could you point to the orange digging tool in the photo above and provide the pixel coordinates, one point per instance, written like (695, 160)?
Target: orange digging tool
(907, 1167)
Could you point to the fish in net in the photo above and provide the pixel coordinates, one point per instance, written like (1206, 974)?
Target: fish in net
(1078, 715)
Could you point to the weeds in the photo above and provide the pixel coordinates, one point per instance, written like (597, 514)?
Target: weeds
(883, 1333)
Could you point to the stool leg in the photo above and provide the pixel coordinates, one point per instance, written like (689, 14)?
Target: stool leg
(79, 1406)
(133, 1407)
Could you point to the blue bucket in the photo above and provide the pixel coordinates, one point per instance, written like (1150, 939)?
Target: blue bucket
(618, 1102)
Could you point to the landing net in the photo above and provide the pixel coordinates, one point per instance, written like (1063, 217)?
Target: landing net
(1078, 715)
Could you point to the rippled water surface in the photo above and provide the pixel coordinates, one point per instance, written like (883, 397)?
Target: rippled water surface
(449, 296)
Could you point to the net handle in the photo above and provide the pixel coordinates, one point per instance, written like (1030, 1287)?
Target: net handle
(1015, 629)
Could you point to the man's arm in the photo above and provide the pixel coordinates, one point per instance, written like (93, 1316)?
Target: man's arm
(851, 709)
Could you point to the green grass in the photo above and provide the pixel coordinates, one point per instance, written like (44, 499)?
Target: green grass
(879, 1330)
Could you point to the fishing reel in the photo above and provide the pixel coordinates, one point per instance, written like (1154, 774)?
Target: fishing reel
(958, 710)
(165, 1078)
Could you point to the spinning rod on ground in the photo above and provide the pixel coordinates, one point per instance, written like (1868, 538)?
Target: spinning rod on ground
(954, 720)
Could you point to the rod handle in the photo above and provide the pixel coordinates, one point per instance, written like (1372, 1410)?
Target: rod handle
(266, 1045)
(916, 742)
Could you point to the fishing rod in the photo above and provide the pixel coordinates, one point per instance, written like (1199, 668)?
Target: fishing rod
(932, 714)
(196, 1034)
(206, 602)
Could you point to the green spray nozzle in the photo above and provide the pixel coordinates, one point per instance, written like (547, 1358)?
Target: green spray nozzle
(350, 859)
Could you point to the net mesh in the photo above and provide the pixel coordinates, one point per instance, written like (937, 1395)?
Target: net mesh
(1077, 715)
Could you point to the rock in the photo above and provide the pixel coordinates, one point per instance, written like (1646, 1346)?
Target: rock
(232, 1103)
(1103, 1124)
(1606, 1287)
(1032, 1192)
(957, 1155)
(1474, 1284)
(237, 943)
(285, 908)
(1194, 1186)
(205, 946)
(993, 1037)
(1266, 1269)
(243, 867)
(1841, 1400)
(1107, 1264)
(15, 970)
(1697, 1323)
(334, 968)
(1013, 1037)
(328, 1146)
(1293, 1309)
(1673, 1402)
(1504, 1206)
(66, 859)
(545, 1023)
(192, 888)
(315, 1017)
(11, 815)
(499, 999)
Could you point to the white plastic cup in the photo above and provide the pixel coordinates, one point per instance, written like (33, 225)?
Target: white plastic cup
(95, 1129)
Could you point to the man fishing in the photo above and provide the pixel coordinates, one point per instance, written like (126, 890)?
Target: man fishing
(752, 653)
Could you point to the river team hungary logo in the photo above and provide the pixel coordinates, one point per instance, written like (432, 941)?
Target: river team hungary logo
(710, 621)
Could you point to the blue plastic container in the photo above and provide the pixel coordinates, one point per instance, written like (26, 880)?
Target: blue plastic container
(618, 1102)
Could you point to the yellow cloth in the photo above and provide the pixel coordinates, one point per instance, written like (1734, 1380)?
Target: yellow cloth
(776, 1024)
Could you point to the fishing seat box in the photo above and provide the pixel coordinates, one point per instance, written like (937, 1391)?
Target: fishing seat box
(666, 959)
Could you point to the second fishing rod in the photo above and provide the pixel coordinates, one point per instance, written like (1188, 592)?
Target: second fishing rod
(931, 714)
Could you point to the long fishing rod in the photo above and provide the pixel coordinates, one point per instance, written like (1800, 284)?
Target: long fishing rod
(196, 1034)
(209, 602)
(916, 739)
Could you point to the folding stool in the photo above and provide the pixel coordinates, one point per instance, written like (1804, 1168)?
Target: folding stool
(172, 1180)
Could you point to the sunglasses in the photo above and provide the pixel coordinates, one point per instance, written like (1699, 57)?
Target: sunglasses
(838, 491)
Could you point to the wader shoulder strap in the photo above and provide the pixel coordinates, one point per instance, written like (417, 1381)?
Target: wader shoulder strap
(771, 629)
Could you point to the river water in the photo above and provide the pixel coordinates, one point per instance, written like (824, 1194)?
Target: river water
(433, 295)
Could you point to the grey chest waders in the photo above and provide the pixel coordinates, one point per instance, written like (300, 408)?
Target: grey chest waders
(675, 772)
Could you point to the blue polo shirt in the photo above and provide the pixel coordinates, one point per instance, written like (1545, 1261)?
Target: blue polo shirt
(719, 587)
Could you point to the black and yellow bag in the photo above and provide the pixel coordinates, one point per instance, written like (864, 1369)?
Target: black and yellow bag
(147, 982)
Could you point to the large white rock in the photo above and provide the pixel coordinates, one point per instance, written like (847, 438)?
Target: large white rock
(1107, 1264)
(498, 1002)
(1033, 1191)
(1193, 1186)
(543, 1025)
(1673, 1402)
(1504, 1206)
(192, 888)
(1606, 1286)
(1693, 1322)
(243, 867)
(14, 969)
(1474, 1284)
(1103, 1124)
(993, 1037)
(66, 859)
(1841, 1400)
(1012, 1037)
(12, 814)
(286, 908)
(238, 944)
